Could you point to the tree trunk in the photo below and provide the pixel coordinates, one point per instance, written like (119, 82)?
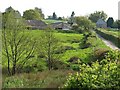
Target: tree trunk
(9, 68)
(6, 50)
(14, 68)
(49, 56)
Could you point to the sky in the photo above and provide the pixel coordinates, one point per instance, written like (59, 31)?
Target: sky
(64, 7)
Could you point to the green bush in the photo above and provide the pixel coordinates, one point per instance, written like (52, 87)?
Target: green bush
(75, 67)
(100, 75)
(99, 53)
(57, 64)
(74, 60)
(97, 76)
(62, 49)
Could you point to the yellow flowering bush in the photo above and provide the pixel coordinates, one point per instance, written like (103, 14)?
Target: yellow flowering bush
(100, 75)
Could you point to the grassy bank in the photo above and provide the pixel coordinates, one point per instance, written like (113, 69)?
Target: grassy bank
(110, 35)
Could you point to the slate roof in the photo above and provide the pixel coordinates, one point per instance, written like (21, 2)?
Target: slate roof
(100, 21)
(36, 24)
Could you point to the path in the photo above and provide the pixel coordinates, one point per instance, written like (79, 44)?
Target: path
(108, 43)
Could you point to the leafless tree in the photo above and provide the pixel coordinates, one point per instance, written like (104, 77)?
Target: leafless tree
(17, 45)
(48, 44)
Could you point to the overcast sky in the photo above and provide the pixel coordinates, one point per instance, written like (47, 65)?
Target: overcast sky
(64, 7)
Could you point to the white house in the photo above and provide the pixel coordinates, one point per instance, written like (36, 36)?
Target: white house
(101, 24)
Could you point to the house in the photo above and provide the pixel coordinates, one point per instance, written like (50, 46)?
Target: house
(101, 24)
(60, 25)
(36, 24)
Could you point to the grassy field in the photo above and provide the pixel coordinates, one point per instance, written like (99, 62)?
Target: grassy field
(40, 76)
(45, 79)
(52, 21)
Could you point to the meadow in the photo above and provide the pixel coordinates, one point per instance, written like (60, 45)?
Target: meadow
(52, 21)
(35, 73)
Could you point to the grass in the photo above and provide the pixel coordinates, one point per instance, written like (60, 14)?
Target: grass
(115, 33)
(72, 40)
(53, 78)
(47, 21)
(111, 35)
(45, 79)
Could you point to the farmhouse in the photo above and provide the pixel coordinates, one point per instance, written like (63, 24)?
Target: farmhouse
(61, 25)
(101, 24)
(36, 24)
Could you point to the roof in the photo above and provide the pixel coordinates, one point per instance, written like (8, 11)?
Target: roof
(100, 21)
(35, 22)
(38, 24)
(61, 25)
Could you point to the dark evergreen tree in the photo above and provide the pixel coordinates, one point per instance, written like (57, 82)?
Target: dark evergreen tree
(54, 16)
(110, 22)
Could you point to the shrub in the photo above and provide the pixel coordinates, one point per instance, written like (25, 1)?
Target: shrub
(57, 64)
(100, 53)
(96, 76)
(113, 55)
(62, 49)
(74, 60)
(104, 74)
(75, 67)
(85, 42)
(75, 27)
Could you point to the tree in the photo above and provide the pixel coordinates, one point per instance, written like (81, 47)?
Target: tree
(17, 46)
(48, 43)
(118, 24)
(114, 25)
(84, 23)
(9, 10)
(60, 18)
(73, 13)
(0, 49)
(71, 20)
(32, 14)
(40, 12)
(54, 16)
(94, 17)
(110, 22)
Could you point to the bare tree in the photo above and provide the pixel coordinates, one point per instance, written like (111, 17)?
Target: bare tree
(48, 44)
(17, 45)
